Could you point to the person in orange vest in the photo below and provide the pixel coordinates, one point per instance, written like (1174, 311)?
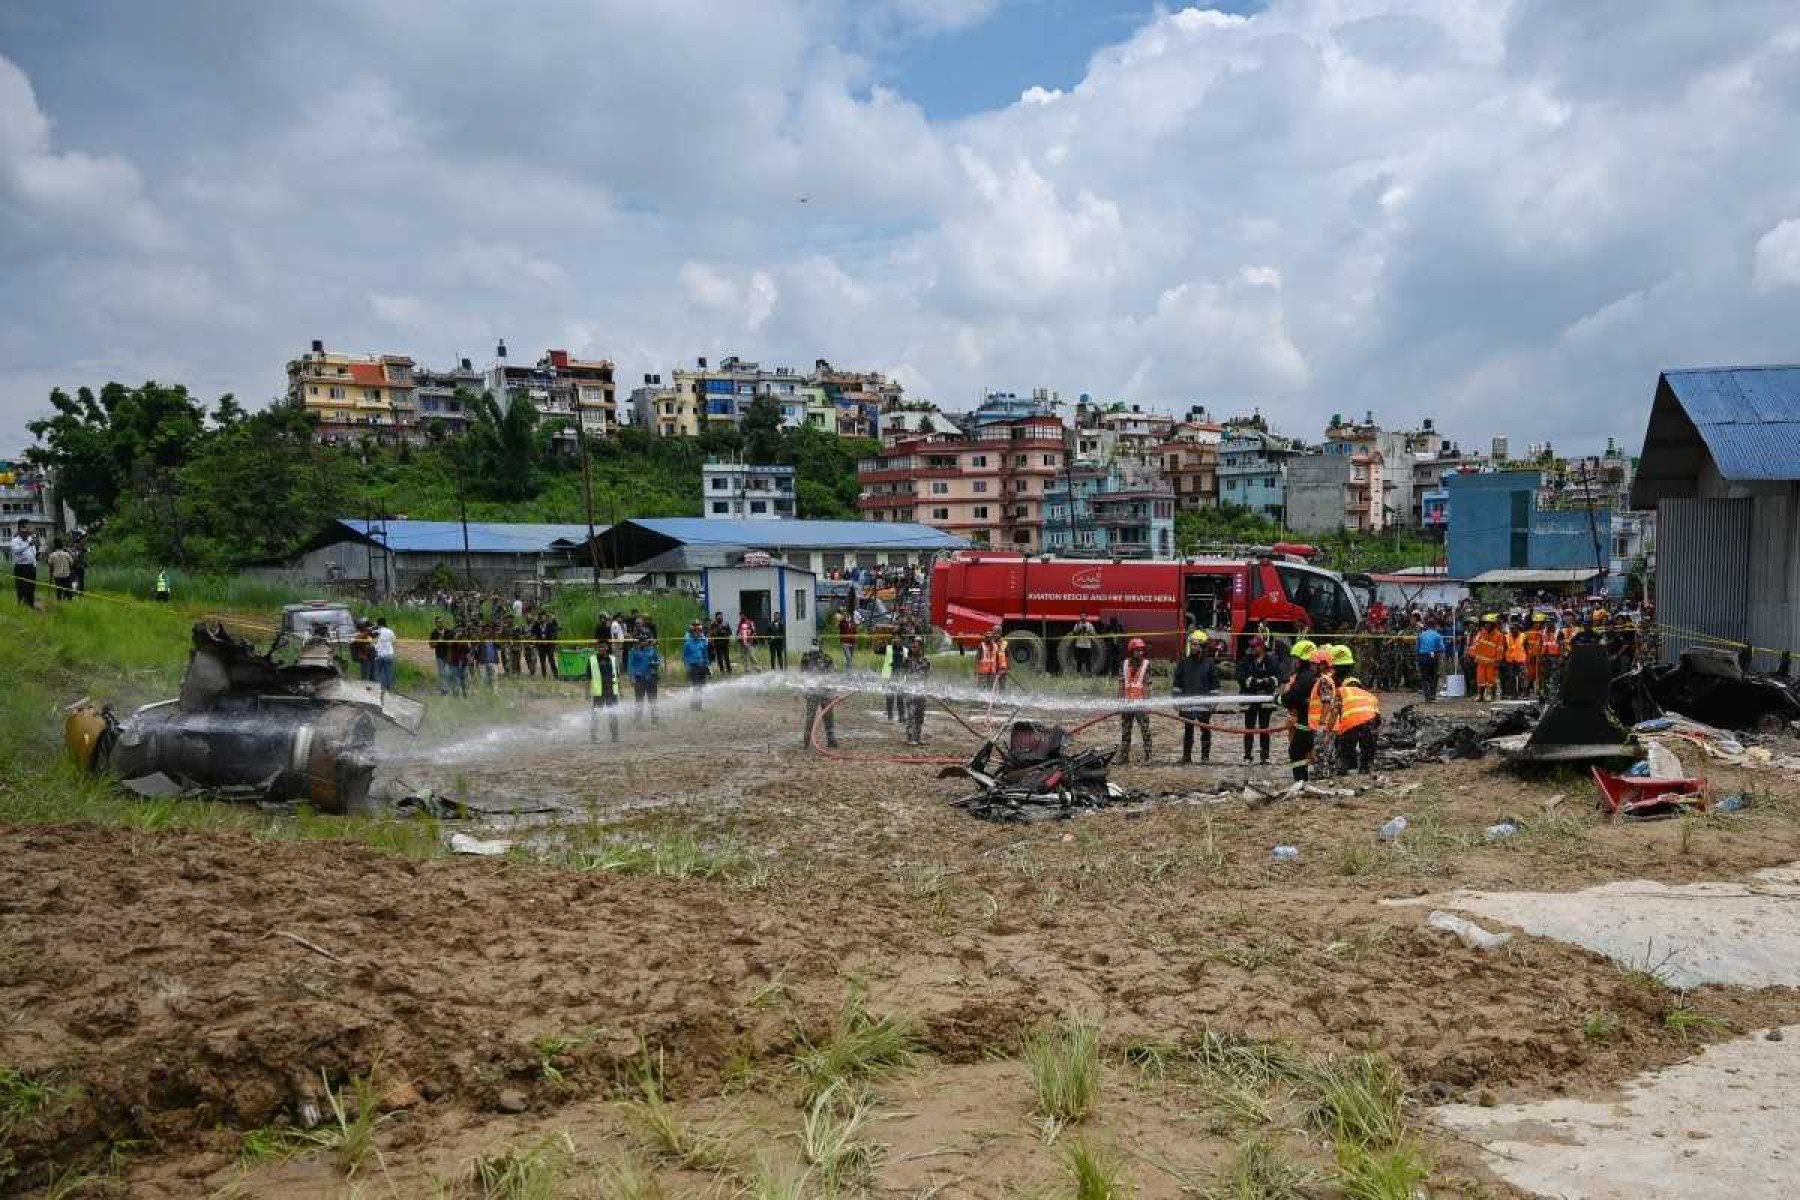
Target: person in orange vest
(1551, 643)
(1296, 698)
(990, 663)
(1512, 668)
(1321, 708)
(1358, 717)
(1134, 681)
(1487, 648)
(1534, 655)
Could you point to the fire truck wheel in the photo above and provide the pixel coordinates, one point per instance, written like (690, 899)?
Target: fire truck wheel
(1064, 650)
(1025, 651)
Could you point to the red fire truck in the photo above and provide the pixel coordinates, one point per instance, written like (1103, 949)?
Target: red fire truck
(1037, 601)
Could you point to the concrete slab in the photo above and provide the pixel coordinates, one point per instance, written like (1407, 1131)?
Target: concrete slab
(1745, 933)
(1716, 1127)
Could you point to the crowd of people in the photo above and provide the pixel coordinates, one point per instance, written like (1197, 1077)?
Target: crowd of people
(67, 562)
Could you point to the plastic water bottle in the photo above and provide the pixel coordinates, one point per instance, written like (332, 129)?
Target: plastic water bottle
(1732, 803)
(1504, 829)
(1286, 853)
(1393, 829)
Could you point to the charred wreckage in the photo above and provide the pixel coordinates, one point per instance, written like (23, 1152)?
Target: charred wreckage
(246, 726)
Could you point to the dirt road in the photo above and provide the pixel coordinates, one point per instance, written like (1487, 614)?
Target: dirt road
(175, 991)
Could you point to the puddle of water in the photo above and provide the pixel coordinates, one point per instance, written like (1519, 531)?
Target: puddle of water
(1716, 1127)
(1737, 933)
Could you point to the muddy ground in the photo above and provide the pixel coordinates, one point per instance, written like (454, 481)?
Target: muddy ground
(176, 992)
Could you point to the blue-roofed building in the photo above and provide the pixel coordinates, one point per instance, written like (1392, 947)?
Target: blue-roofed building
(382, 557)
(1501, 535)
(673, 551)
(1721, 467)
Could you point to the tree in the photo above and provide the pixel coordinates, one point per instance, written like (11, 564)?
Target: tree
(761, 429)
(502, 447)
(99, 445)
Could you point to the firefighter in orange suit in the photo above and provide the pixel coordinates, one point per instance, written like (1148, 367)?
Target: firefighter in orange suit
(1358, 717)
(1134, 687)
(991, 665)
(1487, 648)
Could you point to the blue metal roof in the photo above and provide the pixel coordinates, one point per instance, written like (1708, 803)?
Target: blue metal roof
(801, 535)
(1749, 418)
(485, 537)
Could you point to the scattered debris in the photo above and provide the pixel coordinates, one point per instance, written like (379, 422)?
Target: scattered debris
(1707, 685)
(1393, 829)
(1285, 853)
(1416, 735)
(462, 843)
(1468, 932)
(1035, 777)
(1500, 831)
(1643, 798)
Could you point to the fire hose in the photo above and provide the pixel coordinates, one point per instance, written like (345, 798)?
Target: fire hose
(926, 760)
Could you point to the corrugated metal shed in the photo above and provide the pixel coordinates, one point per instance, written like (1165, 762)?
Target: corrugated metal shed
(1521, 577)
(799, 535)
(1746, 418)
(446, 537)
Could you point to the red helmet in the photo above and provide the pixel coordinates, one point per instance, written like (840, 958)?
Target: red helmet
(1136, 644)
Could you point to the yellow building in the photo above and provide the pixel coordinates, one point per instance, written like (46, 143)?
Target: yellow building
(666, 411)
(355, 396)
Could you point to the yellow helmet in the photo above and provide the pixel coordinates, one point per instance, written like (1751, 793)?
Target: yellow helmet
(1488, 617)
(1197, 637)
(1538, 618)
(1342, 657)
(1303, 649)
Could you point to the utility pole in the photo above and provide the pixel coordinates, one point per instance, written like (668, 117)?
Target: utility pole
(1587, 494)
(587, 503)
(462, 508)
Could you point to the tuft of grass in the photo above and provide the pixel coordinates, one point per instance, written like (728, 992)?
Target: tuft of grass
(1259, 1171)
(1688, 1022)
(859, 1046)
(1064, 1062)
(533, 1172)
(271, 1143)
(1095, 1173)
(1151, 1057)
(771, 1183)
(1648, 974)
(1391, 1174)
(1600, 1026)
(350, 1134)
(669, 855)
(21, 1097)
(1261, 1064)
(832, 1142)
(548, 1047)
(626, 1178)
(667, 1134)
(1355, 860)
(1358, 1100)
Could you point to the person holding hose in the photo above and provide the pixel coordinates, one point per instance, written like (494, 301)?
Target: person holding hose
(644, 665)
(1197, 674)
(603, 689)
(918, 666)
(1296, 698)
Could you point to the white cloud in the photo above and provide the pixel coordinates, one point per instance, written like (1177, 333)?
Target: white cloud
(1507, 216)
(1778, 256)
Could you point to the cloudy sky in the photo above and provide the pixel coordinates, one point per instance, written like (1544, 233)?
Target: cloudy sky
(1506, 216)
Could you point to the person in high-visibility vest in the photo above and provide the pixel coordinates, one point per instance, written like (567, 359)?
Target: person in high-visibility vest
(991, 664)
(1514, 661)
(1321, 708)
(162, 586)
(1550, 656)
(603, 689)
(1534, 655)
(1487, 648)
(1358, 717)
(1134, 688)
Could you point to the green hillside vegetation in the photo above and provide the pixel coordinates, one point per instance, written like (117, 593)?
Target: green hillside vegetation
(1235, 525)
(161, 478)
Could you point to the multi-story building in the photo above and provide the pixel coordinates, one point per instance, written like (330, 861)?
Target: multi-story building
(1092, 511)
(738, 490)
(354, 396)
(25, 498)
(443, 400)
(1497, 526)
(861, 397)
(1431, 502)
(1190, 462)
(986, 483)
(1253, 468)
(911, 420)
(664, 411)
(1339, 488)
(570, 390)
